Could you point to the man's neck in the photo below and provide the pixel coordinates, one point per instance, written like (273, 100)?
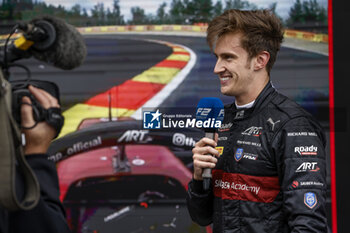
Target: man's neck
(253, 93)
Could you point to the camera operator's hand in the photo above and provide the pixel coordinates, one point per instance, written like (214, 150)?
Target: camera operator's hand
(38, 139)
(201, 156)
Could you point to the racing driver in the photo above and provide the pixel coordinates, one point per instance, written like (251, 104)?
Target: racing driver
(269, 165)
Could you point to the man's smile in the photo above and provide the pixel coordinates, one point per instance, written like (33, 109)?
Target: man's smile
(224, 78)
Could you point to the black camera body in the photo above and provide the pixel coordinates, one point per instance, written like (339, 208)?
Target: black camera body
(20, 89)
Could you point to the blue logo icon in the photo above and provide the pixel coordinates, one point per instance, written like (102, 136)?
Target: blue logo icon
(152, 120)
(310, 199)
(238, 154)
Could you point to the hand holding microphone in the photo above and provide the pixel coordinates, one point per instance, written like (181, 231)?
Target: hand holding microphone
(203, 159)
(208, 109)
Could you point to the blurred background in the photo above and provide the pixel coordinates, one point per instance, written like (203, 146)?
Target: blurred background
(309, 15)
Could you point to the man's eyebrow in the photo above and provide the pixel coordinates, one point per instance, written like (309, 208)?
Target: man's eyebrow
(226, 54)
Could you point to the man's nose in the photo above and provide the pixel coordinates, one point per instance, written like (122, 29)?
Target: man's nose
(219, 67)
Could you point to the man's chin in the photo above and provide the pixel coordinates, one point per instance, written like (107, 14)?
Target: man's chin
(226, 91)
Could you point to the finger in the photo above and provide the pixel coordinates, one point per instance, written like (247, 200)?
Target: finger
(27, 119)
(216, 137)
(205, 158)
(203, 164)
(207, 150)
(39, 96)
(205, 142)
(53, 101)
(44, 98)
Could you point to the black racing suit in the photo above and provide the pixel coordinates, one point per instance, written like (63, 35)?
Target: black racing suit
(48, 216)
(271, 175)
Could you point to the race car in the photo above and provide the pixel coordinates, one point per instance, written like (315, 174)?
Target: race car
(116, 176)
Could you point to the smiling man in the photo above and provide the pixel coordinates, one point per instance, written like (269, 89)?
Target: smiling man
(270, 173)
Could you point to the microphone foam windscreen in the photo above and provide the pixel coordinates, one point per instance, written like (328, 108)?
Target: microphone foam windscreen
(210, 108)
(68, 50)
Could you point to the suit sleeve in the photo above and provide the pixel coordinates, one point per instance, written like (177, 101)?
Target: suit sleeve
(301, 162)
(199, 203)
(48, 215)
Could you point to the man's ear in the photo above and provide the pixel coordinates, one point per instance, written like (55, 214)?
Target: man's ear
(261, 60)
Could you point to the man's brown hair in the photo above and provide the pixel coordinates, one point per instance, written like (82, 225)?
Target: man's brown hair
(261, 29)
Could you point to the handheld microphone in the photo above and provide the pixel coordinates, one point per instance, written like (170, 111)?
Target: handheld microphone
(50, 40)
(209, 109)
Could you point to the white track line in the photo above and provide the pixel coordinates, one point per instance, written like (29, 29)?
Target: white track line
(156, 100)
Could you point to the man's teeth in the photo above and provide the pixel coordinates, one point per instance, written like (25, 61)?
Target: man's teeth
(224, 78)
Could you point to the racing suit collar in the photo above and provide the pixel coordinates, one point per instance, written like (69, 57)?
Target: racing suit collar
(263, 99)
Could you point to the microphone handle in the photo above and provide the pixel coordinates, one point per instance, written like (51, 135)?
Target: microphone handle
(207, 171)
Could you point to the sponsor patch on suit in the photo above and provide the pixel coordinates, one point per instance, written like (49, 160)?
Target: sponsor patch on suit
(238, 154)
(220, 149)
(310, 199)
